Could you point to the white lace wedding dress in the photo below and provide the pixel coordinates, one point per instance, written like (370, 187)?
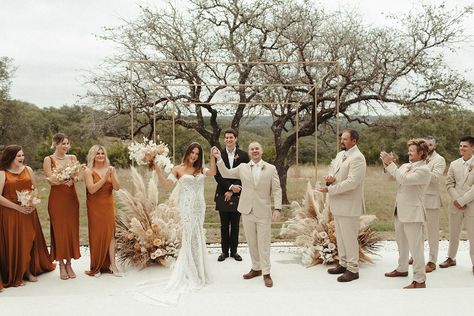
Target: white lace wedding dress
(189, 272)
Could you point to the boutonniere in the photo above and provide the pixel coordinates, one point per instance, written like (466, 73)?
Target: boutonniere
(344, 158)
(263, 167)
(236, 156)
(469, 169)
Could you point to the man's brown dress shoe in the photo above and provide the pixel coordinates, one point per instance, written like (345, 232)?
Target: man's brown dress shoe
(267, 279)
(337, 270)
(416, 285)
(430, 267)
(252, 274)
(396, 273)
(410, 261)
(348, 276)
(448, 263)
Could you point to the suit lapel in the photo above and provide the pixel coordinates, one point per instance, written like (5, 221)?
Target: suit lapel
(225, 157)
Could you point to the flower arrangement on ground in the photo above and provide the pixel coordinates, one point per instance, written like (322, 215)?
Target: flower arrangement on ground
(147, 232)
(150, 154)
(313, 228)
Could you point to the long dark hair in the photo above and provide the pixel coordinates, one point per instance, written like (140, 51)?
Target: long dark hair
(8, 155)
(198, 163)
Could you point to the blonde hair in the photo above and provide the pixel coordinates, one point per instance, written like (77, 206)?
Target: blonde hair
(93, 152)
(421, 146)
(58, 138)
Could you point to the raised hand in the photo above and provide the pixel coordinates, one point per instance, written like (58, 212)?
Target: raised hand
(386, 158)
(216, 153)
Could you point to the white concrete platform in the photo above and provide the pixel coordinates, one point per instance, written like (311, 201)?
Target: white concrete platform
(297, 290)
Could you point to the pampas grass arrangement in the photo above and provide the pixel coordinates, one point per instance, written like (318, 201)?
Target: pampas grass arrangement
(312, 227)
(147, 232)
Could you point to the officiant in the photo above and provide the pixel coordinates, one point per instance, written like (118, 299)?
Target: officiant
(227, 197)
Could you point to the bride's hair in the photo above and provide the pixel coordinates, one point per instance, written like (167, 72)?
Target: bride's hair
(198, 164)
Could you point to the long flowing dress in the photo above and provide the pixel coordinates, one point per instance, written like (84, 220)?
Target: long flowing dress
(22, 243)
(101, 219)
(189, 272)
(63, 209)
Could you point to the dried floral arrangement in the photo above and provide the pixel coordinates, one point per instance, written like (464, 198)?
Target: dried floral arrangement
(312, 227)
(147, 232)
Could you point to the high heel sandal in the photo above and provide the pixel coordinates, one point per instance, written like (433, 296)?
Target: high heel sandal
(62, 272)
(116, 273)
(70, 271)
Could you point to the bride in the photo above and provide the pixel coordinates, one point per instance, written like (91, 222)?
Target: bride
(189, 272)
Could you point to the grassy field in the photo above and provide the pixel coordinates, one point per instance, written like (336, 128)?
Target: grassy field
(379, 195)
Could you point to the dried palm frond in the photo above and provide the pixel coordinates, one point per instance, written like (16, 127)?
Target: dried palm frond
(147, 232)
(312, 226)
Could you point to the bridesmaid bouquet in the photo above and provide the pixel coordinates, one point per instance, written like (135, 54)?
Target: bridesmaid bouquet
(61, 174)
(314, 231)
(28, 198)
(150, 154)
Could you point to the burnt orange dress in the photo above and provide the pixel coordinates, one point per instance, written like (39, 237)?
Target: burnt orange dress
(101, 219)
(21, 238)
(63, 209)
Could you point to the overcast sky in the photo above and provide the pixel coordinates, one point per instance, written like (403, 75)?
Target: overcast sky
(52, 42)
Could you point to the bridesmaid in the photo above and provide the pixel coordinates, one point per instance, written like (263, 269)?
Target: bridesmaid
(63, 208)
(101, 180)
(23, 251)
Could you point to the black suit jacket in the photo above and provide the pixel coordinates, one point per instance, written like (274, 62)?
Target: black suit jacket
(224, 184)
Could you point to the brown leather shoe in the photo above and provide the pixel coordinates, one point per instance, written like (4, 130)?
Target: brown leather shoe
(416, 285)
(267, 279)
(448, 263)
(252, 274)
(348, 276)
(337, 270)
(396, 273)
(430, 267)
(410, 261)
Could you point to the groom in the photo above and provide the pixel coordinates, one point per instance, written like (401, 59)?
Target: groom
(259, 182)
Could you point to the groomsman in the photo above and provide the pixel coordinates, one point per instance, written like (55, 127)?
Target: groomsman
(409, 215)
(346, 201)
(460, 185)
(227, 197)
(260, 182)
(437, 165)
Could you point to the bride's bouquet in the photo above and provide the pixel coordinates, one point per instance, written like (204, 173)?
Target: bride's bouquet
(28, 198)
(62, 174)
(148, 153)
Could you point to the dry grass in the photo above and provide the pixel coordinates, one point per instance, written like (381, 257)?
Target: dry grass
(379, 194)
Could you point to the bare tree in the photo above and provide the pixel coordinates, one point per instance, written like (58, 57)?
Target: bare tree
(379, 68)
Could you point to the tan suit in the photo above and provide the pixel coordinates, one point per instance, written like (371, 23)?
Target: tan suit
(432, 200)
(255, 206)
(410, 215)
(346, 201)
(460, 185)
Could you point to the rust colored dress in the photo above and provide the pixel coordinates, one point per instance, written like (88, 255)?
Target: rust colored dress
(63, 209)
(101, 219)
(22, 243)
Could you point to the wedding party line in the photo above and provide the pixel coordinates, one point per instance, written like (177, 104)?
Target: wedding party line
(247, 188)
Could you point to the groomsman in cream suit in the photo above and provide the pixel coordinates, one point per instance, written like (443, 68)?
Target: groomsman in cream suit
(260, 182)
(460, 185)
(413, 179)
(346, 201)
(437, 165)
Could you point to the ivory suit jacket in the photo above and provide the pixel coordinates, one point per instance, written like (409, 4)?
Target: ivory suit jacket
(412, 184)
(346, 193)
(255, 196)
(460, 185)
(437, 165)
